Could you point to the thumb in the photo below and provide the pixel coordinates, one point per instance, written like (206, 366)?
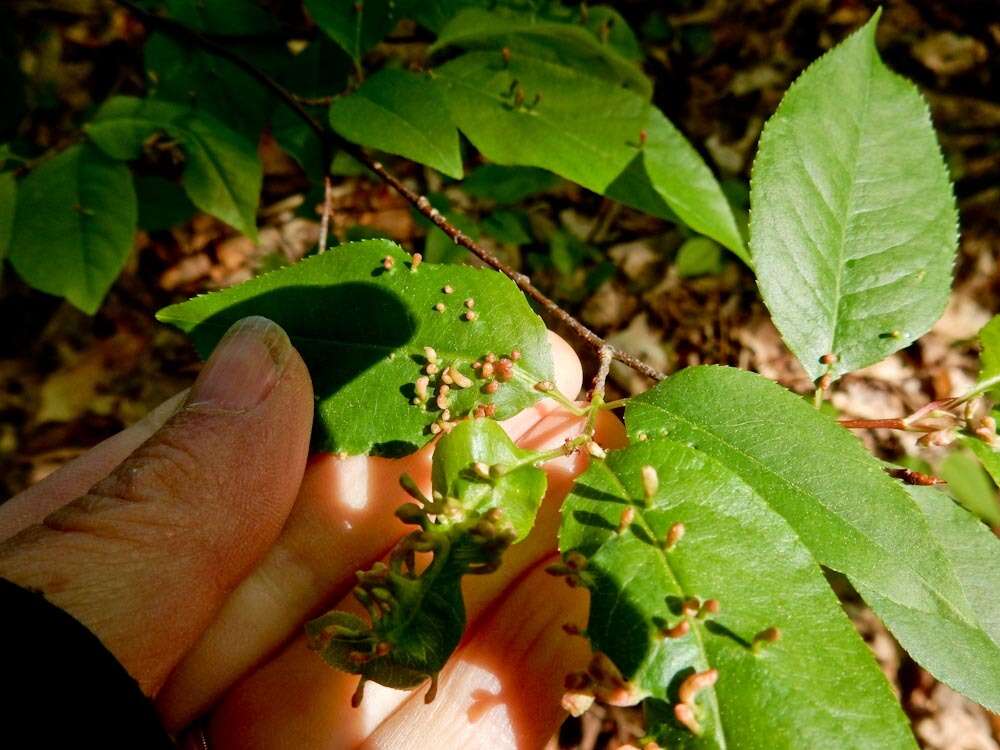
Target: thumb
(147, 556)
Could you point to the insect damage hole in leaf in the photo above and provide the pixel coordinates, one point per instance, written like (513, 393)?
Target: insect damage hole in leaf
(377, 390)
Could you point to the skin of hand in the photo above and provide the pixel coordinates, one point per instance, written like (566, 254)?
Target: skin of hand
(195, 544)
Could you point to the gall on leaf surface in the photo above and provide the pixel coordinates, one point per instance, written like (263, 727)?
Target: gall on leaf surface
(816, 686)
(853, 225)
(401, 113)
(847, 511)
(223, 174)
(533, 111)
(417, 618)
(75, 225)
(556, 35)
(362, 330)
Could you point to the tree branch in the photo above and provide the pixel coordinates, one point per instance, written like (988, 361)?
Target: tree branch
(330, 140)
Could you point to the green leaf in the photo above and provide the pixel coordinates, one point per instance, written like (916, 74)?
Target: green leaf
(418, 618)
(362, 331)
(698, 256)
(587, 132)
(963, 653)
(508, 185)
(300, 141)
(355, 26)
(976, 492)
(439, 247)
(816, 686)
(847, 511)
(853, 221)
(434, 14)
(668, 178)
(568, 253)
(516, 489)
(74, 225)
(402, 113)
(8, 202)
(162, 203)
(561, 41)
(608, 25)
(321, 69)
(989, 357)
(223, 174)
(581, 128)
(508, 227)
(222, 17)
(208, 83)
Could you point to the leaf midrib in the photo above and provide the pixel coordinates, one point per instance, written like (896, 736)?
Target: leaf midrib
(696, 630)
(849, 208)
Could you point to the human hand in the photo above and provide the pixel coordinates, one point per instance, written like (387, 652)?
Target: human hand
(197, 542)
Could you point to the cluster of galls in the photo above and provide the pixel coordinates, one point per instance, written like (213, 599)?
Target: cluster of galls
(443, 519)
(602, 680)
(490, 370)
(473, 542)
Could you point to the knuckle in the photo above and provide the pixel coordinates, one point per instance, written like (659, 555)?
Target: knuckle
(159, 470)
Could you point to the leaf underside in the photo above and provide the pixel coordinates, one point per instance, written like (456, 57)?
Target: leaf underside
(853, 220)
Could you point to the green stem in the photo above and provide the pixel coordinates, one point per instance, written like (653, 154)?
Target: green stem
(979, 389)
(616, 404)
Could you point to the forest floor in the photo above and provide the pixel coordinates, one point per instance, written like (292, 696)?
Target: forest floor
(68, 381)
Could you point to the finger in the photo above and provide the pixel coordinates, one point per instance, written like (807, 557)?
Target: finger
(79, 475)
(343, 521)
(148, 555)
(503, 689)
(568, 381)
(314, 699)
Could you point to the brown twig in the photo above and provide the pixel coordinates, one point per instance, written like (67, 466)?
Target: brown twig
(872, 424)
(909, 476)
(420, 202)
(601, 377)
(910, 423)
